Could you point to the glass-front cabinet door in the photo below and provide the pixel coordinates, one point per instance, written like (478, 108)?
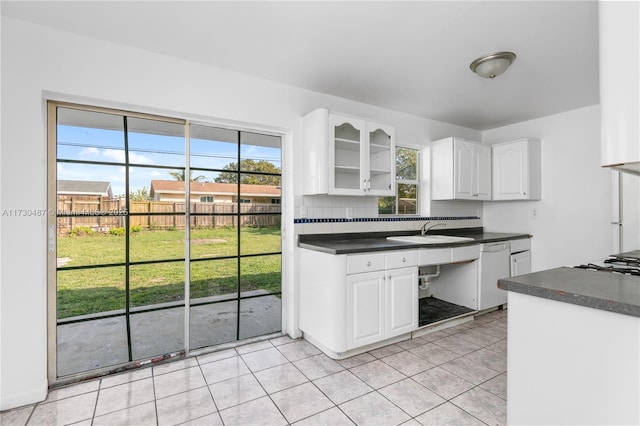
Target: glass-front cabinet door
(345, 155)
(348, 146)
(380, 159)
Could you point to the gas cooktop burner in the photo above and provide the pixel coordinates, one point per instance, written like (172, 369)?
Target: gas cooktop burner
(623, 260)
(626, 270)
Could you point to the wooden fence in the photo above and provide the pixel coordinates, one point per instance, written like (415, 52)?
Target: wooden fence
(101, 214)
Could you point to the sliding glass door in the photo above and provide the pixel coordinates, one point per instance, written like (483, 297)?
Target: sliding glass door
(167, 237)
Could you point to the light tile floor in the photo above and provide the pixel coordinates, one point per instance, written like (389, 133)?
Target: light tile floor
(453, 376)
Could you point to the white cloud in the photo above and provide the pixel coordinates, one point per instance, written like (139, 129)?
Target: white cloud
(139, 159)
(114, 155)
(89, 152)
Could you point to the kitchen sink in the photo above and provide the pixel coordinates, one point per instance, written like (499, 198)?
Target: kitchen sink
(430, 239)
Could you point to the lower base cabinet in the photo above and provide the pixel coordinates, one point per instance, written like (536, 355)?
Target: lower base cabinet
(354, 301)
(365, 309)
(381, 305)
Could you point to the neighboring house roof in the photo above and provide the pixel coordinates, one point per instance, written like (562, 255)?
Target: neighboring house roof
(84, 187)
(213, 188)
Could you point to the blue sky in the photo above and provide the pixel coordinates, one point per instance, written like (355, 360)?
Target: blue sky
(100, 145)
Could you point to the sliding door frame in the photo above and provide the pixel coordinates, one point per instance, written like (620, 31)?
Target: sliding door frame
(52, 219)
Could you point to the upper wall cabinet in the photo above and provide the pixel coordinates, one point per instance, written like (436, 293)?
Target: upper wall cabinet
(345, 155)
(460, 170)
(516, 170)
(619, 84)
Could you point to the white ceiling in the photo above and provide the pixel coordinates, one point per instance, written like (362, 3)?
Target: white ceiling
(407, 56)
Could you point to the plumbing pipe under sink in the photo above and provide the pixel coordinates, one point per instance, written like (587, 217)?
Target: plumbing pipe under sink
(425, 278)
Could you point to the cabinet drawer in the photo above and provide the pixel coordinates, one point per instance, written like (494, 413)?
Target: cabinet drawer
(434, 256)
(357, 263)
(401, 259)
(460, 254)
(520, 245)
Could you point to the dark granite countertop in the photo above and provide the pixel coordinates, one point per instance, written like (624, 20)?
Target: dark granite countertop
(377, 241)
(594, 289)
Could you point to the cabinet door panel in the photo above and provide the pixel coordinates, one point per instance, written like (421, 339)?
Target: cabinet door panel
(365, 307)
(402, 301)
(347, 147)
(521, 263)
(482, 155)
(380, 163)
(511, 171)
(464, 158)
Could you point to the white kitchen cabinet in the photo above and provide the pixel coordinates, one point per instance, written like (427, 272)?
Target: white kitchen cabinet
(401, 301)
(570, 364)
(384, 303)
(517, 170)
(619, 37)
(520, 263)
(352, 303)
(460, 170)
(365, 308)
(346, 155)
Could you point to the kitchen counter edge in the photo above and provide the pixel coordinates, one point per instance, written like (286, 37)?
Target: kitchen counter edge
(377, 241)
(605, 291)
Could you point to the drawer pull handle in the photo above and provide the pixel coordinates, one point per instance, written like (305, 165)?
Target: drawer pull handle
(368, 263)
(404, 259)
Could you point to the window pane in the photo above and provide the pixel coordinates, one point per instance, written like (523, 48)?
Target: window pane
(406, 163)
(212, 237)
(213, 324)
(260, 315)
(90, 291)
(214, 280)
(157, 333)
(220, 196)
(386, 205)
(407, 198)
(260, 275)
(89, 212)
(80, 245)
(162, 239)
(157, 283)
(260, 153)
(76, 353)
(155, 142)
(260, 233)
(158, 184)
(213, 148)
(89, 182)
(90, 136)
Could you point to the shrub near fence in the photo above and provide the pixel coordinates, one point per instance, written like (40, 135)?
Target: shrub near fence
(102, 214)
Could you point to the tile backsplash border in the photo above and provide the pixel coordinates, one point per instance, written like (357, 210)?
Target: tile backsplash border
(382, 219)
(375, 224)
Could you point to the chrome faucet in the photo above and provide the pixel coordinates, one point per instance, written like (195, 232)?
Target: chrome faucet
(425, 228)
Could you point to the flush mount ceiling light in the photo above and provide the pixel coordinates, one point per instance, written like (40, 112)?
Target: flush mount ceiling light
(491, 66)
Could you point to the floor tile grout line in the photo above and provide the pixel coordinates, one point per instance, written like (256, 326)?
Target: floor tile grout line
(33, 409)
(208, 386)
(396, 405)
(343, 402)
(95, 406)
(155, 396)
(460, 408)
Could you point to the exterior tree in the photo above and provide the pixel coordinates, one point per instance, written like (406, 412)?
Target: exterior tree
(405, 201)
(181, 175)
(140, 194)
(231, 173)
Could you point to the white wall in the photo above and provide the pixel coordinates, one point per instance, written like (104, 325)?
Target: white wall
(573, 218)
(40, 63)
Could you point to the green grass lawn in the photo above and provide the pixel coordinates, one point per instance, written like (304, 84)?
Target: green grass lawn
(93, 290)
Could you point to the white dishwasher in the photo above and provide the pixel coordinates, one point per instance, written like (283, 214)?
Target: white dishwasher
(495, 263)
